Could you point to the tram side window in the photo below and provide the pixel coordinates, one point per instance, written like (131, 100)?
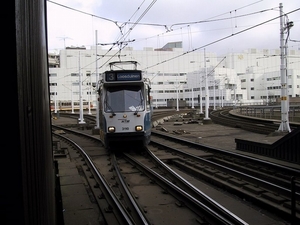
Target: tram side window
(147, 94)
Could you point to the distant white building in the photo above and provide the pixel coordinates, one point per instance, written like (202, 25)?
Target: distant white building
(250, 77)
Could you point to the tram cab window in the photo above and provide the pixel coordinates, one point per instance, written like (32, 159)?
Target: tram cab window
(120, 99)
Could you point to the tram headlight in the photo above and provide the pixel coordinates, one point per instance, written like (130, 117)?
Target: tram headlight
(111, 129)
(139, 128)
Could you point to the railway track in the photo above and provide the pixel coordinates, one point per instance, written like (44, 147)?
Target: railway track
(180, 163)
(107, 171)
(252, 124)
(96, 167)
(266, 184)
(206, 209)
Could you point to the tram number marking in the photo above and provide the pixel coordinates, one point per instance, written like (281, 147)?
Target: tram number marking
(124, 121)
(125, 128)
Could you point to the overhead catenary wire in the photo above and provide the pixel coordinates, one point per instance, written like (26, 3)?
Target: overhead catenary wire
(219, 40)
(162, 25)
(201, 47)
(123, 44)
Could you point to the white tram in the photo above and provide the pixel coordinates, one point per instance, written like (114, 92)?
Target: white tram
(125, 110)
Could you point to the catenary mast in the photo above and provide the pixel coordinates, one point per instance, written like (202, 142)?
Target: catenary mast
(284, 125)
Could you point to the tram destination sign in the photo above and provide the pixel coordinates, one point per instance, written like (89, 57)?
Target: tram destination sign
(113, 76)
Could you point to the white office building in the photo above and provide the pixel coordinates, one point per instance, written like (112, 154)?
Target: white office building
(249, 77)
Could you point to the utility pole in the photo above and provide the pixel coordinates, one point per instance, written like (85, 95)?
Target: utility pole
(97, 85)
(81, 119)
(89, 96)
(206, 90)
(193, 98)
(214, 94)
(200, 91)
(177, 103)
(72, 98)
(284, 125)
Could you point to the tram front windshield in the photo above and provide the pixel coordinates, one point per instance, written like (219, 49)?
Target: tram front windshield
(124, 99)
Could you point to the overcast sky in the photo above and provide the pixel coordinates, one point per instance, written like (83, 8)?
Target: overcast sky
(221, 26)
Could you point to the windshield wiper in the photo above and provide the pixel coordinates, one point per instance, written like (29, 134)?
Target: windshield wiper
(109, 107)
(140, 104)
